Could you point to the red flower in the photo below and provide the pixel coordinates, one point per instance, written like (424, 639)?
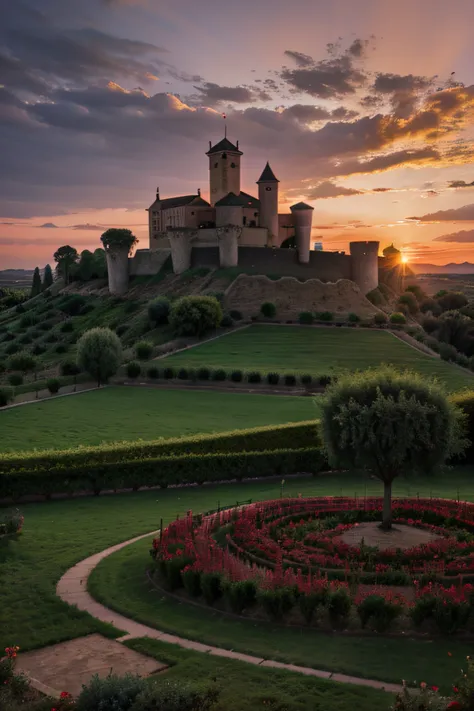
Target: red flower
(435, 688)
(454, 706)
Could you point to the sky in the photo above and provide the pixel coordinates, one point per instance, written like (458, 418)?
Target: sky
(364, 109)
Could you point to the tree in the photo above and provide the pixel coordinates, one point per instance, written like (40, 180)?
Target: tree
(158, 310)
(195, 315)
(450, 300)
(66, 257)
(390, 423)
(99, 352)
(36, 286)
(86, 265)
(100, 264)
(47, 277)
(118, 237)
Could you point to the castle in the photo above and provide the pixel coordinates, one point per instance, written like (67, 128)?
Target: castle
(236, 229)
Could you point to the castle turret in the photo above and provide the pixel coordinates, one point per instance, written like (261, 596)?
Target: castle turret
(365, 265)
(224, 169)
(268, 196)
(303, 220)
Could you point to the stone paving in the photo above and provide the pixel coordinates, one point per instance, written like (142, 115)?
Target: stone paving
(72, 588)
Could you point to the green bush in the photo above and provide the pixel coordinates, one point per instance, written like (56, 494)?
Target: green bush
(112, 693)
(219, 374)
(236, 376)
(227, 321)
(99, 353)
(15, 379)
(38, 349)
(309, 603)
(69, 368)
(169, 373)
(430, 306)
(380, 319)
(451, 300)
(72, 305)
(339, 606)
(27, 320)
(159, 310)
(306, 379)
(192, 582)
(430, 324)
(290, 379)
(397, 317)
(67, 327)
(183, 374)
(12, 348)
(268, 309)
(353, 318)
(6, 395)
(375, 297)
(53, 385)
(195, 315)
(211, 586)
(153, 373)
(447, 352)
(134, 369)
(273, 378)
(241, 595)
(254, 377)
(277, 603)
(203, 374)
(380, 611)
(61, 348)
(410, 301)
(176, 696)
(143, 350)
(23, 361)
(306, 317)
(121, 330)
(235, 315)
(325, 316)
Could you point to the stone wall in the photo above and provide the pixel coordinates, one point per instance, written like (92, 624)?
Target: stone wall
(148, 263)
(290, 296)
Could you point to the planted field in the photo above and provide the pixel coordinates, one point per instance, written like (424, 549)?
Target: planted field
(127, 414)
(318, 351)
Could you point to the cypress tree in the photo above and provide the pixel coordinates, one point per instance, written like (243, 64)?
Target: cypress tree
(36, 286)
(47, 277)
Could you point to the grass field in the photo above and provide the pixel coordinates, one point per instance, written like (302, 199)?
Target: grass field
(131, 413)
(58, 534)
(289, 349)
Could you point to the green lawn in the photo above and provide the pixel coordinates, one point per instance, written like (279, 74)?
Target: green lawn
(131, 413)
(58, 534)
(288, 349)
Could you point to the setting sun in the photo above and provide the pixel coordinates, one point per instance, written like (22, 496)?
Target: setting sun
(404, 259)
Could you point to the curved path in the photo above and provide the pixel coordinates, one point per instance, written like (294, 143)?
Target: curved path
(72, 588)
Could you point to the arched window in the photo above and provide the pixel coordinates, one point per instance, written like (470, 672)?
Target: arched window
(232, 165)
(268, 189)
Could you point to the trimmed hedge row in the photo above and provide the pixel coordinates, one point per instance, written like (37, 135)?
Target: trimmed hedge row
(296, 435)
(465, 400)
(162, 471)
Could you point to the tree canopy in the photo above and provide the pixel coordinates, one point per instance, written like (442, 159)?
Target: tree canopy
(99, 352)
(47, 277)
(118, 237)
(36, 285)
(66, 256)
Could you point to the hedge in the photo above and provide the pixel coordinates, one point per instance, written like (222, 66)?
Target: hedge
(296, 435)
(465, 400)
(162, 471)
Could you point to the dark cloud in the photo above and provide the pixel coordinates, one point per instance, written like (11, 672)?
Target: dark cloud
(393, 83)
(302, 60)
(328, 189)
(463, 236)
(48, 226)
(307, 113)
(214, 94)
(459, 214)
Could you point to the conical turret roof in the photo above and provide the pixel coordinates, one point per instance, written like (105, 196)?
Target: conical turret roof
(301, 206)
(268, 176)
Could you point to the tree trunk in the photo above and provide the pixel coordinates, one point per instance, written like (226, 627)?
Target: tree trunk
(387, 506)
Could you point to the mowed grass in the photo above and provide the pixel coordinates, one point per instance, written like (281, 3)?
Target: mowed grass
(292, 349)
(131, 413)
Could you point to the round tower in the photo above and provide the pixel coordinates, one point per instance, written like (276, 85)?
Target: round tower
(224, 169)
(365, 265)
(181, 239)
(228, 237)
(118, 268)
(303, 220)
(268, 197)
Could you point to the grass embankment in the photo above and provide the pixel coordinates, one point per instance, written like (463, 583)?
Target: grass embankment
(318, 351)
(129, 413)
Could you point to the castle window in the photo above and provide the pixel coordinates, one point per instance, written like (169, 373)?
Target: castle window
(232, 165)
(192, 213)
(224, 156)
(244, 220)
(268, 189)
(216, 165)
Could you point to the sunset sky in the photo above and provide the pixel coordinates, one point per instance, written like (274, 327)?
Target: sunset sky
(364, 108)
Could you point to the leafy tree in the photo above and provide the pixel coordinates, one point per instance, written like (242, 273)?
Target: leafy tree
(66, 257)
(47, 277)
(410, 301)
(195, 315)
(451, 300)
(158, 310)
(390, 423)
(99, 352)
(85, 269)
(100, 264)
(36, 286)
(118, 237)
(457, 330)
(417, 291)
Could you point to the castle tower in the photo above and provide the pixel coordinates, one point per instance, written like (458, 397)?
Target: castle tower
(303, 220)
(268, 196)
(224, 169)
(365, 265)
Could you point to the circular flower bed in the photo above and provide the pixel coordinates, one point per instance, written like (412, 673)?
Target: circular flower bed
(300, 559)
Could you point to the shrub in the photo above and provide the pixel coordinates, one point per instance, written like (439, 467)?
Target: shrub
(46, 325)
(192, 582)
(133, 369)
(375, 297)
(417, 291)
(72, 305)
(183, 374)
(143, 350)
(15, 379)
(450, 615)
(268, 309)
(235, 315)
(273, 378)
(176, 696)
(23, 361)
(339, 606)
(380, 319)
(309, 603)
(195, 315)
(27, 320)
(306, 317)
(277, 603)
(153, 373)
(447, 352)
(99, 353)
(410, 301)
(430, 306)
(430, 324)
(306, 379)
(211, 585)
(38, 349)
(452, 300)
(61, 348)
(159, 310)
(112, 693)
(121, 330)
(227, 321)
(325, 316)
(236, 376)
(12, 348)
(254, 377)
(203, 374)
(25, 340)
(432, 343)
(53, 385)
(219, 374)
(69, 368)
(325, 380)
(169, 373)
(290, 379)
(382, 612)
(6, 395)
(397, 317)
(241, 595)
(20, 309)
(462, 360)
(67, 327)
(353, 318)
(51, 338)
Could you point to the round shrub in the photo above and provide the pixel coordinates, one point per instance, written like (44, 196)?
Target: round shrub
(462, 360)
(23, 361)
(290, 379)
(306, 317)
(15, 379)
(68, 367)
(273, 378)
(380, 319)
(72, 304)
(203, 374)
(325, 380)
(172, 695)
(120, 330)
(51, 338)
(219, 374)
(6, 395)
(447, 352)
(397, 318)
(235, 315)
(67, 327)
(254, 377)
(159, 310)
(432, 343)
(110, 693)
(410, 301)
(452, 300)
(183, 374)
(268, 309)
(28, 320)
(12, 348)
(306, 379)
(353, 318)
(430, 324)
(153, 373)
(227, 321)
(430, 305)
(99, 353)
(38, 349)
(46, 325)
(53, 385)
(25, 340)
(134, 369)
(169, 373)
(325, 316)
(236, 376)
(61, 348)
(143, 350)
(195, 315)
